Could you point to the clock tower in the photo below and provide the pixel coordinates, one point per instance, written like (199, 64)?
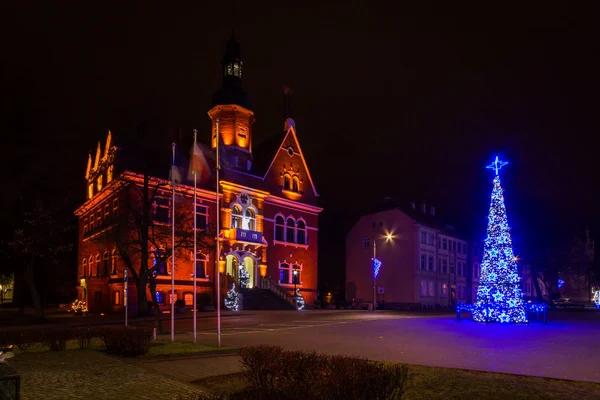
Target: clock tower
(231, 107)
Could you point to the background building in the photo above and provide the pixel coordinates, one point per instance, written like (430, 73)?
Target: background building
(268, 210)
(424, 264)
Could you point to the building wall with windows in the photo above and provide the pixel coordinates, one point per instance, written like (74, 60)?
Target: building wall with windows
(268, 211)
(425, 263)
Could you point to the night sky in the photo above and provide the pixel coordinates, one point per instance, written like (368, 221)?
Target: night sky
(389, 99)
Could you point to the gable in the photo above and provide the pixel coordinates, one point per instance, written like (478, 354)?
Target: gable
(289, 163)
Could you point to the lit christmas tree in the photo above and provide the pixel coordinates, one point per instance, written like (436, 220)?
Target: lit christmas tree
(244, 276)
(499, 295)
(232, 300)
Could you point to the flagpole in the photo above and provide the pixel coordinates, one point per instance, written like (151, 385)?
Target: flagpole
(195, 233)
(217, 257)
(173, 249)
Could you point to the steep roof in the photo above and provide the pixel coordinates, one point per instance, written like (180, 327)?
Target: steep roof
(265, 152)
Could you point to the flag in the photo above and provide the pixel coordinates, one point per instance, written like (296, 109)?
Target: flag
(198, 164)
(224, 158)
(175, 175)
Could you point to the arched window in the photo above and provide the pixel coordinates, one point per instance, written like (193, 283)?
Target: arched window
(249, 222)
(287, 182)
(85, 271)
(290, 231)
(98, 264)
(279, 228)
(295, 184)
(113, 270)
(296, 274)
(236, 216)
(301, 232)
(200, 265)
(106, 263)
(99, 183)
(117, 297)
(284, 273)
(91, 266)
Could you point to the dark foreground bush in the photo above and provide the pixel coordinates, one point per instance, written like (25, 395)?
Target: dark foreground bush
(125, 340)
(292, 375)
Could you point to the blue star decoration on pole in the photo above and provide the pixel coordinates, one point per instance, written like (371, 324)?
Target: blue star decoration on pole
(497, 165)
(376, 267)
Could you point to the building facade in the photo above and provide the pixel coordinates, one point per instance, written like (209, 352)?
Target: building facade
(267, 207)
(425, 262)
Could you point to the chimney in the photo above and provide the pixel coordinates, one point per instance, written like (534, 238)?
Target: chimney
(423, 208)
(432, 211)
(412, 205)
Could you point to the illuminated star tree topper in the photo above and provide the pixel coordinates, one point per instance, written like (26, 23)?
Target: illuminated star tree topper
(499, 296)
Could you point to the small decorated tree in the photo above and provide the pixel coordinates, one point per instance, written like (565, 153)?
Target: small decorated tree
(300, 303)
(232, 300)
(244, 276)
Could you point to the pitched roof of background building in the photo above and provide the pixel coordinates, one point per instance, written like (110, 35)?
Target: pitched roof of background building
(417, 215)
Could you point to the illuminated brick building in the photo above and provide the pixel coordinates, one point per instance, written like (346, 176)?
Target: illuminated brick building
(269, 212)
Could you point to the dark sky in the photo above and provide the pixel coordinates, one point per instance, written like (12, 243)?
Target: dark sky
(389, 99)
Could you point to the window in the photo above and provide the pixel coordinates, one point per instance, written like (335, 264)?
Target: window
(290, 231)
(444, 244)
(249, 222)
(423, 263)
(366, 243)
(188, 298)
(106, 263)
(99, 181)
(84, 265)
(114, 262)
(200, 266)
(430, 239)
(236, 216)
(91, 266)
(160, 263)
(431, 288)
(287, 182)
(106, 212)
(301, 232)
(201, 217)
(475, 271)
(85, 226)
(452, 268)
(160, 210)
(279, 228)
(284, 273)
(444, 266)
(90, 190)
(453, 246)
(423, 237)
(423, 288)
(296, 274)
(444, 289)
(295, 184)
(99, 218)
(430, 265)
(117, 298)
(98, 264)
(109, 174)
(92, 223)
(115, 207)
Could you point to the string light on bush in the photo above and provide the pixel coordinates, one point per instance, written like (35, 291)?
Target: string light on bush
(232, 300)
(499, 296)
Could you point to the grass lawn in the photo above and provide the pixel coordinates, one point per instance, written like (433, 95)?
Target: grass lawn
(166, 348)
(429, 383)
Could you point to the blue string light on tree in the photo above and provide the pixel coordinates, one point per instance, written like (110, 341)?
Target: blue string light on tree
(499, 296)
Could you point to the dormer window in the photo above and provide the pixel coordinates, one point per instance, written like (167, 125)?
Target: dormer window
(287, 182)
(295, 184)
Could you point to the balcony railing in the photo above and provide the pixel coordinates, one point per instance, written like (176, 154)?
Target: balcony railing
(245, 235)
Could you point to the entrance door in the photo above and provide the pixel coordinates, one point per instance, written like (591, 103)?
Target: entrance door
(249, 264)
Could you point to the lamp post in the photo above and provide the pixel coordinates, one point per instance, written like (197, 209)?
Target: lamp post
(295, 278)
(376, 266)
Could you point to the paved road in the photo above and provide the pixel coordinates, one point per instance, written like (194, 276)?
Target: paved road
(567, 348)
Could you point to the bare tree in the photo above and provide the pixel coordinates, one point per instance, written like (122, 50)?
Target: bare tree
(143, 231)
(40, 244)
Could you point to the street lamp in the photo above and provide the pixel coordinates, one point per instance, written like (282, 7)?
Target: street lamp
(376, 266)
(295, 278)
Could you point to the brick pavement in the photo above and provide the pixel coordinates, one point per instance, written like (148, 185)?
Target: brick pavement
(194, 368)
(81, 374)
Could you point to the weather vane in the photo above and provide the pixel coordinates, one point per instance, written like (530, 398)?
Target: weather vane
(497, 165)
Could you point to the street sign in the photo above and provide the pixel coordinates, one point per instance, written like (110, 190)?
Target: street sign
(380, 290)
